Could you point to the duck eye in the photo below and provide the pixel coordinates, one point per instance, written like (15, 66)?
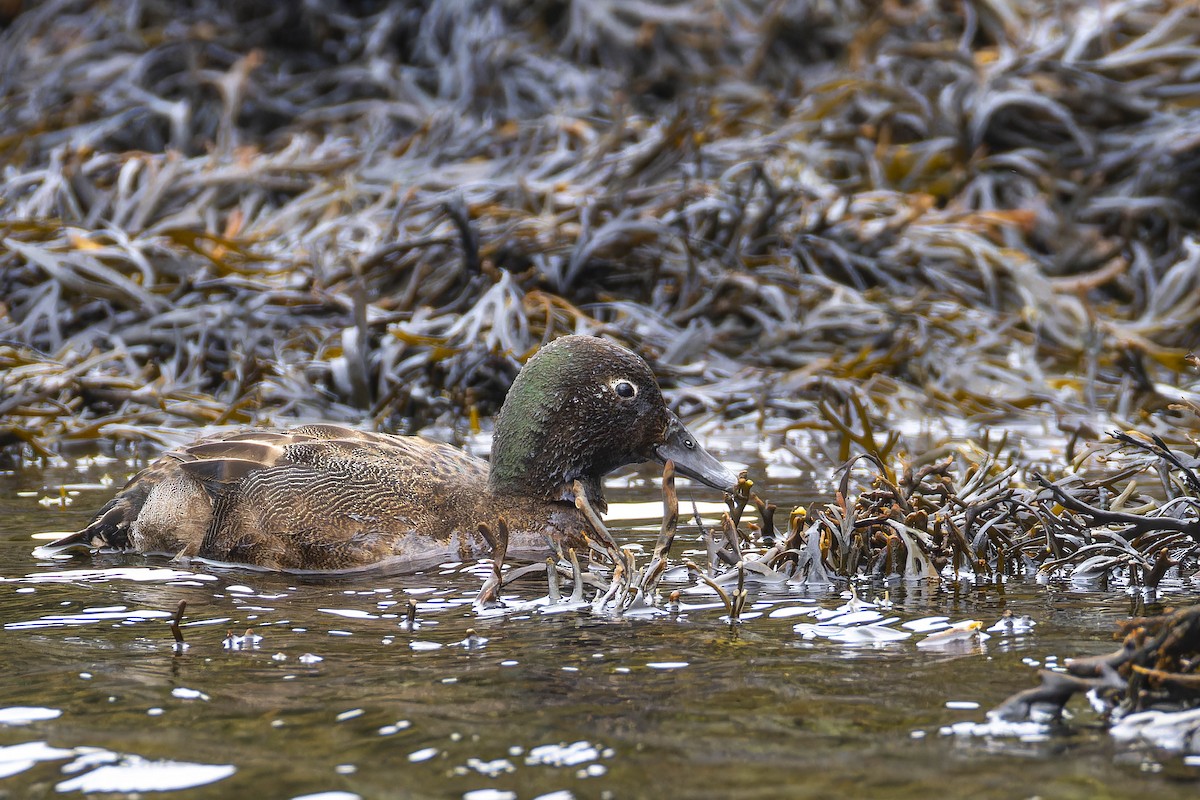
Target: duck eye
(690, 444)
(625, 389)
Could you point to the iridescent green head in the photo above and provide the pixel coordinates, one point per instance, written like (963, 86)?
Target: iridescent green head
(580, 408)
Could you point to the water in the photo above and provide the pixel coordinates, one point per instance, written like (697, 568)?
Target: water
(337, 698)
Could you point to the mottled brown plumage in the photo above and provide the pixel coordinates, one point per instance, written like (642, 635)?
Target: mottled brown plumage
(326, 497)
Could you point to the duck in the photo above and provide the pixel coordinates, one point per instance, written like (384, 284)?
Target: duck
(330, 498)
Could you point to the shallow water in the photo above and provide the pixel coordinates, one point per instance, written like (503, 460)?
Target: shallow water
(337, 698)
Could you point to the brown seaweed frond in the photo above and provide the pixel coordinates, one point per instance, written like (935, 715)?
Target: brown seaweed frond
(176, 631)
(666, 535)
(1155, 667)
(232, 214)
(489, 593)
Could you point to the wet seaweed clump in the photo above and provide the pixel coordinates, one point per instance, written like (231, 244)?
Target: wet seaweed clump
(622, 586)
(1124, 511)
(968, 515)
(1148, 689)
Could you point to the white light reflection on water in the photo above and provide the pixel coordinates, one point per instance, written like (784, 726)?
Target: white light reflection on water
(566, 755)
(792, 611)
(1170, 730)
(424, 754)
(489, 794)
(101, 770)
(491, 769)
(420, 645)
(996, 728)
(24, 715)
(581, 757)
(136, 774)
(349, 613)
(86, 617)
(138, 574)
(16, 758)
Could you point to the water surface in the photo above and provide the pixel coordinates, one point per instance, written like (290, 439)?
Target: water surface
(336, 697)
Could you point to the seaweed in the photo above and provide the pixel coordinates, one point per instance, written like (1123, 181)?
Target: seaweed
(972, 515)
(232, 213)
(1153, 669)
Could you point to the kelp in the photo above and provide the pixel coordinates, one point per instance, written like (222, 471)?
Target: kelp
(974, 514)
(1127, 510)
(219, 212)
(1148, 688)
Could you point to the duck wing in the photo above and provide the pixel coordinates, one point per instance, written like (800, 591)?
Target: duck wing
(212, 461)
(320, 497)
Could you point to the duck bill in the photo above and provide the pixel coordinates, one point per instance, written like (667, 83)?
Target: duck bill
(691, 459)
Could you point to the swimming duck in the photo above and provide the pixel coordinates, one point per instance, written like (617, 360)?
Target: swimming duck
(327, 497)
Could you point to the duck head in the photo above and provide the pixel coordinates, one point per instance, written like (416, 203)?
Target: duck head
(580, 408)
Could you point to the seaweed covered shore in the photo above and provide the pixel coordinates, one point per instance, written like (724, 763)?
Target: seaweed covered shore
(835, 217)
(239, 212)
(838, 216)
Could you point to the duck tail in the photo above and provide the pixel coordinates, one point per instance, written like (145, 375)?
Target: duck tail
(109, 528)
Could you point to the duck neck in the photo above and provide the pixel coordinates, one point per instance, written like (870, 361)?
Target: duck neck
(529, 459)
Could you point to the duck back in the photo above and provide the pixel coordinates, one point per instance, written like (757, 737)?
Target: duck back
(318, 497)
